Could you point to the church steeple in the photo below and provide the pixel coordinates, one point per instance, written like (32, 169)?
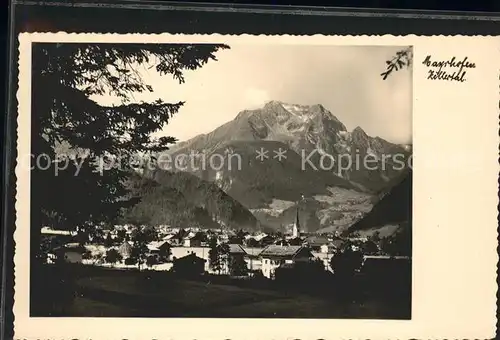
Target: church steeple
(296, 226)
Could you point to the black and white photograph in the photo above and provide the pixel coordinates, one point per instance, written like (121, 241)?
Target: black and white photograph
(216, 186)
(219, 180)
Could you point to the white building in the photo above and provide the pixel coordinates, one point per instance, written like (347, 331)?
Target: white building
(49, 231)
(325, 258)
(252, 258)
(274, 256)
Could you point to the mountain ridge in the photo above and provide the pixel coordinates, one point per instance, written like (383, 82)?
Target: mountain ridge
(305, 129)
(182, 199)
(300, 132)
(393, 208)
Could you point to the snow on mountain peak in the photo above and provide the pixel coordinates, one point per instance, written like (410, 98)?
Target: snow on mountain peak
(299, 111)
(303, 112)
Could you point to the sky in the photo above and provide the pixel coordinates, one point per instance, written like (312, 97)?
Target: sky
(344, 79)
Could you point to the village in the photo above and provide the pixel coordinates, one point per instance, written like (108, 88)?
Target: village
(194, 251)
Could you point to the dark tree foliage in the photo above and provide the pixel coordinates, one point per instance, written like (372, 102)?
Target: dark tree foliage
(346, 262)
(251, 242)
(238, 266)
(213, 255)
(47, 246)
(370, 248)
(310, 269)
(121, 236)
(310, 275)
(141, 236)
(223, 253)
(402, 59)
(151, 261)
(130, 261)
(218, 255)
(165, 252)
(239, 238)
(398, 244)
(235, 240)
(375, 237)
(87, 255)
(108, 241)
(113, 256)
(64, 78)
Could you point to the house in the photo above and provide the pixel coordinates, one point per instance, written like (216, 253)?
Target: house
(50, 231)
(252, 258)
(159, 249)
(273, 256)
(359, 239)
(125, 249)
(189, 266)
(51, 241)
(317, 242)
(173, 239)
(332, 247)
(194, 240)
(70, 253)
(263, 239)
(325, 258)
(327, 248)
(179, 252)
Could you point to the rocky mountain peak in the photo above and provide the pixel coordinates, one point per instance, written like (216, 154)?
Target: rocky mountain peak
(360, 138)
(318, 108)
(273, 104)
(302, 128)
(261, 186)
(359, 131)
(359, 134)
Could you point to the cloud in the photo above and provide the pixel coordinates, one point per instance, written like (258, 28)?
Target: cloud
(255, 98)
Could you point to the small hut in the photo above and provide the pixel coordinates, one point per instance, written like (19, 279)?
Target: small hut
(125, 250)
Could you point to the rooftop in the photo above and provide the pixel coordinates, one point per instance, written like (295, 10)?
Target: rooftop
(385, 257)
(71, 247)
(190, 258)
(236, 249)
(259, 237)
(253, 251)
(317, 240)
(49, 231)
(276, 250)
(155, 245)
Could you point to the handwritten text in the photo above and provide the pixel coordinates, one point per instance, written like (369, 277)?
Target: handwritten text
(440, 69)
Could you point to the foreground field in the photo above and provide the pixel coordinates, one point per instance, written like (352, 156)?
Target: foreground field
(101, 292)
